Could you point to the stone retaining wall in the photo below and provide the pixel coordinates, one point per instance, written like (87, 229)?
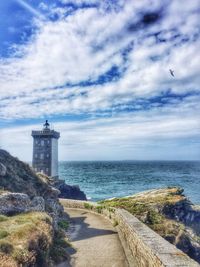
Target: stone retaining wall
(145, 247)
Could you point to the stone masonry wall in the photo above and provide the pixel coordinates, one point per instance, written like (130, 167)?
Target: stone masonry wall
(145, 247)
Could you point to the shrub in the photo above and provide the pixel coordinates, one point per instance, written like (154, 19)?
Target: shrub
(88, 206)
(3, 218)
(99, 209)
(115, 223)
(154, 217)
(21, 256)
(63, 224)
(3, 234)
(58, 250)
(6, 247)
(58, 254)
(111, 209)
(48, 220)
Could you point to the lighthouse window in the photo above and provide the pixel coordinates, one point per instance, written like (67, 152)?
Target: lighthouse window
(41, 156)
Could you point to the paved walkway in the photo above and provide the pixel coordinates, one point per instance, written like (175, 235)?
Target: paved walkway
(95, 241)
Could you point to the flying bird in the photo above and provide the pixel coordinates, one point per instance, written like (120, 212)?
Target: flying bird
(171, 72)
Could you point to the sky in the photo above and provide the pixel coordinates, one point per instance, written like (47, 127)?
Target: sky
(99, 71)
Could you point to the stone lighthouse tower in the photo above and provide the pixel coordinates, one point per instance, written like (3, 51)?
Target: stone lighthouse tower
(45, 151)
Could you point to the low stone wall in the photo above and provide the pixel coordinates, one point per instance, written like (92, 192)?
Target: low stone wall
(145, 247)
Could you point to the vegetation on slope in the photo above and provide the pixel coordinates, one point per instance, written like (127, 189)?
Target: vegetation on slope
(28, 239)
(31, 226)
(166, 212)
(25, 239)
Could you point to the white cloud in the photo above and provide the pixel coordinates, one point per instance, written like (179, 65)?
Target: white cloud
(85, 45)
(125, 136)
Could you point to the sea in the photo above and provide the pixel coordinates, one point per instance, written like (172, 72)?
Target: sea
(106, 179)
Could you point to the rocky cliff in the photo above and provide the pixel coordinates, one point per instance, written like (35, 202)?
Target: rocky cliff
(168, 212)
(65, 190)
(18, 177)
(30, 217)
(69, 191)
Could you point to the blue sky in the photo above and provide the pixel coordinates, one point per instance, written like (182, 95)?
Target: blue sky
(99, 71)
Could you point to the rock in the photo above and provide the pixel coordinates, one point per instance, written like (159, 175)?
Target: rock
(183, 211)
(62, 190)
(14, 203)
(68, 191)
(38, 204)
(54, 209)
(2, 169)
(54, 192)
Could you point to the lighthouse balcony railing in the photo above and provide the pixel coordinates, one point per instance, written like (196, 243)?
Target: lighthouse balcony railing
(46, 132)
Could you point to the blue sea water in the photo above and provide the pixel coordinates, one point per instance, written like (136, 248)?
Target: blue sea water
(106, 179)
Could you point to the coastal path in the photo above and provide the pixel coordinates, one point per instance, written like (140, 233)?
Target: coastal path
(94, 240)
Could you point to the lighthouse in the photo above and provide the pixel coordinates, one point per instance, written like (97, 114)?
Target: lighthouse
(45, 151)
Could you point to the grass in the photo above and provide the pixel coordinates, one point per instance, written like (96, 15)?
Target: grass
(111, 209)
(44, 178)
(147, 207)
(25, 238)
(3, 218)
(22, 256)
(3, 234)
(88, 206)
(99, 209)
(115, 223)
(130, 205)
(63, 224)
(58, 251)
(154, 217)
